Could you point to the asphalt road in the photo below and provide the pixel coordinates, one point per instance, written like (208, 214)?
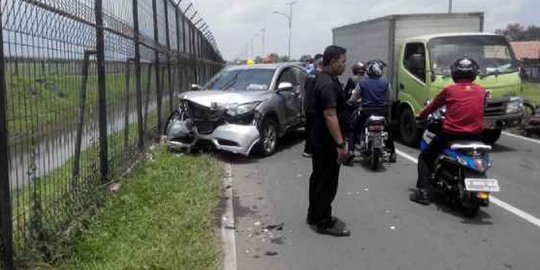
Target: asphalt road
(388, 231)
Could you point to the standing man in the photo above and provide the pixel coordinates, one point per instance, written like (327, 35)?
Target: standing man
(329, 148)
(309, 109)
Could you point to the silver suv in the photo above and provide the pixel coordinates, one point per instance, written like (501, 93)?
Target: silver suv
(242, 108)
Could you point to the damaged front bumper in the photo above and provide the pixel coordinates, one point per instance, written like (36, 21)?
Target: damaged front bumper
(240, 139)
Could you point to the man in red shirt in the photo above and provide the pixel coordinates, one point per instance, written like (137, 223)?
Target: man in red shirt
(464, 120)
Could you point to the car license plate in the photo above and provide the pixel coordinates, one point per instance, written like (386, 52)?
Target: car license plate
(482, 184)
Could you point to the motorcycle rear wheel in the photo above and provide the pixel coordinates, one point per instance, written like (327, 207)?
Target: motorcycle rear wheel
(375, 159)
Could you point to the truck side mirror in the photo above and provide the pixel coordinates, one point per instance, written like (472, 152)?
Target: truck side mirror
(195, 87)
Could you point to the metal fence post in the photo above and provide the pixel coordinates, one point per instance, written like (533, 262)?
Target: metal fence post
(75, 171)
(156, 54)
(102, 93)
(168, 40)
(6, 225)
(138, 74)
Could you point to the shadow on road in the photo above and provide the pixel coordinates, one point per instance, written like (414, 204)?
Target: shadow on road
(287, 142)
(497, 148)
(364, 164)
(483, 218)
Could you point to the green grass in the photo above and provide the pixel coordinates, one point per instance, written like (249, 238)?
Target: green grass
(162, 218)
(62, 206)
(531, 91)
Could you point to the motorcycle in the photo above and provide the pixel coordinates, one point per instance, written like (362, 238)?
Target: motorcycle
(460, 171)
(371, 141)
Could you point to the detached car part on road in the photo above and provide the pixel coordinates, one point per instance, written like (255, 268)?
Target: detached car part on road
(241, 110)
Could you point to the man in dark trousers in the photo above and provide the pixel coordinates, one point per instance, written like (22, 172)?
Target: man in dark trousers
(329, 148)
(308, 110)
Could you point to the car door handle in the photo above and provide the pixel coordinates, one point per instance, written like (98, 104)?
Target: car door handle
(401, 86)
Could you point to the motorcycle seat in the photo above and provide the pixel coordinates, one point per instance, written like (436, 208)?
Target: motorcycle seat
(473, 145)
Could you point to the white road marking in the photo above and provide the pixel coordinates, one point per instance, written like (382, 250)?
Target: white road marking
(504, 205)
(228, 227)
(521, 137)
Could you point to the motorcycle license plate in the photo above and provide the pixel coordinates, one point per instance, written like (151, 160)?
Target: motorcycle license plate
(482, 184)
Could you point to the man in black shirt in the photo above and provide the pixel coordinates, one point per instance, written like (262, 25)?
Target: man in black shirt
(329, 149)
(308, 109)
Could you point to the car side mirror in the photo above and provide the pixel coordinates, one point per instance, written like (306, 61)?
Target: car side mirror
(195, 87)
(285, 86)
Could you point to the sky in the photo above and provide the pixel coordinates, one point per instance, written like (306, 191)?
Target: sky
(236, 24)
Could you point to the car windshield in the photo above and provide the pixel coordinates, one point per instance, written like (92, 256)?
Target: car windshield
(241, 79)
(492, 53)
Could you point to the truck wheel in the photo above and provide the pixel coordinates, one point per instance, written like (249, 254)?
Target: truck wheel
(491, 136)
(407, 128)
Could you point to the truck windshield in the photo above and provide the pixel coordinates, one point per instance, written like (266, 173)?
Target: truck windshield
(241, 79)
(492, 53)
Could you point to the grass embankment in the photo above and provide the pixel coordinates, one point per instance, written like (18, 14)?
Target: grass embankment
(47, 103)
(162, 218)
(52, 210)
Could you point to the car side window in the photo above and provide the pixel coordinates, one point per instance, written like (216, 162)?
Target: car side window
(288, 75)
(414, 60)
(301, 76)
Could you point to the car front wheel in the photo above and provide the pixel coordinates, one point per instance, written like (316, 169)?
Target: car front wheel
(269, 136)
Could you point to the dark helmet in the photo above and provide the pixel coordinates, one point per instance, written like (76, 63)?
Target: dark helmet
(375, 68)
(464, 68)
(359, 68)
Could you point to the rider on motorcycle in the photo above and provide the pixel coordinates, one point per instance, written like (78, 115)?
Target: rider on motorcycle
(373, 94)
(358, 71)
(464, 120)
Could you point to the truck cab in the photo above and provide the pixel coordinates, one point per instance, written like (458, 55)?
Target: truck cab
(423, 71)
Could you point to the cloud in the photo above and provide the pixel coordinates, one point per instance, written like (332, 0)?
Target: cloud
(236, 22)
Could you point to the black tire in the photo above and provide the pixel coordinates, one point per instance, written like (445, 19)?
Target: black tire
(491, 136)
(408, 131)
(375, 160)
(269, 136)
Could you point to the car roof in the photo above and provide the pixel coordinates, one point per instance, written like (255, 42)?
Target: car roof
(262, 66)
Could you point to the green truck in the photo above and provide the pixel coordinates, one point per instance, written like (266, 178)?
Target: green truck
(419, 49)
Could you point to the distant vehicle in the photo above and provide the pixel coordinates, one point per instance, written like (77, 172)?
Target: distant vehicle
(243, 109)
(419, 49)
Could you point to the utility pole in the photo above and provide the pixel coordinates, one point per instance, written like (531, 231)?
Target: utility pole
(263, 44)
(449, 6)
(290, 4)
(289, 17)
(262, 34)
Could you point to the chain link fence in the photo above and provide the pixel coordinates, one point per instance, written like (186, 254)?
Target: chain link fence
(84, 86)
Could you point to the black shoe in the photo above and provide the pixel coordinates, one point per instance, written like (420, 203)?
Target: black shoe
(327, 222)
(421, 196)
(336, 230)
(393, 158)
